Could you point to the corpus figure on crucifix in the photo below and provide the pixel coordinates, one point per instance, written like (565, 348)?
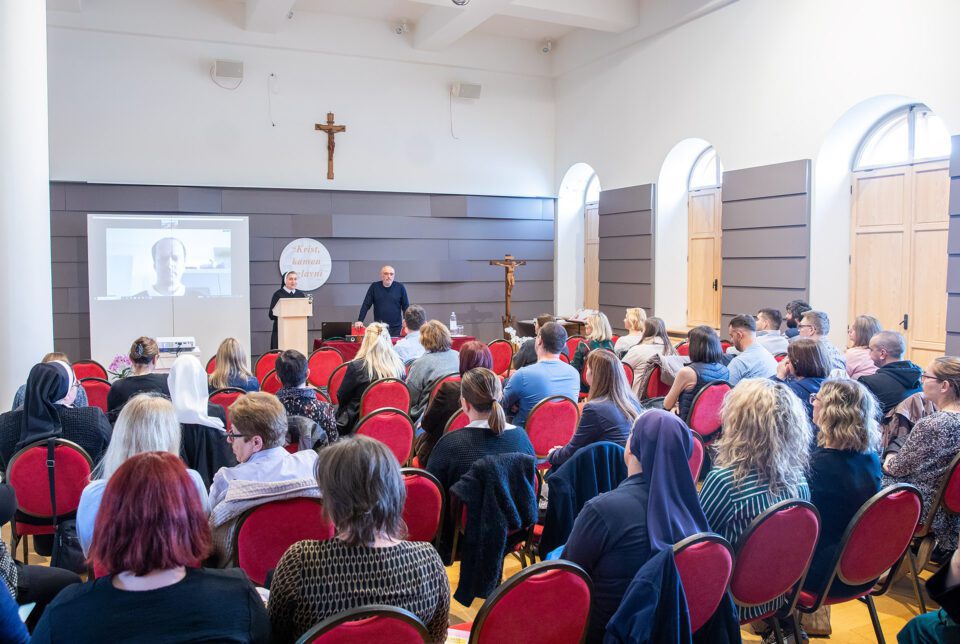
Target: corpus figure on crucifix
(509, 264)
(331, 131)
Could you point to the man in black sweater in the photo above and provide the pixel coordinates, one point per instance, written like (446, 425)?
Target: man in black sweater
(896, 379)
(388, 299)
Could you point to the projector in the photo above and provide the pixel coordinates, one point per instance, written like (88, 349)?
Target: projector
(177, 344)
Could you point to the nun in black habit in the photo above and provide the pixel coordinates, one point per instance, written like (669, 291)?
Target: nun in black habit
(288, 288)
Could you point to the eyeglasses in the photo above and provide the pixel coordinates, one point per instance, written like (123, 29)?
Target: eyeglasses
(804, 326)
(813, 398)
(230, 437)
(927, 376)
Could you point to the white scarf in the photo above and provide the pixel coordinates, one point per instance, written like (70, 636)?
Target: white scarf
(188, 390)
(71, 378)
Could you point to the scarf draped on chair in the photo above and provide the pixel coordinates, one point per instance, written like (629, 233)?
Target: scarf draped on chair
(188, 391)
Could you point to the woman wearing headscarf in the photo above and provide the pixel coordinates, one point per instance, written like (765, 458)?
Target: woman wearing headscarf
(288, 288)
(653, 508)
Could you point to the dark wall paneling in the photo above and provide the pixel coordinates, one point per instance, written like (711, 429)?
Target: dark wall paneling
(626, 229)
(439, 244)
(953, 248)
(765, 248)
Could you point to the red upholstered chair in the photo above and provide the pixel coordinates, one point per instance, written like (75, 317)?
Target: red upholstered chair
(265, 364)
(458, 421)
(683, 348)
(367, 625)
(211, 365)
(564, 358)
(27, 474)
(265, 532)
(704, 414)
(705, 564)
(97, 390)
(435, 387)
(773, 555)
(614, 339)
(545, 602)
(333, 385)
(88, 369)
(573, 342)
(320, 395)
(655, 388)
(947, 499)
(551, 422)
(724, 345)
(779, 357)
(502, 352)
(874, 543)
(271, 382)
(392, 427)
(697, 456)
(628, 372)
(225, 397)
(383, 394)
(321, 364)
(425, 505)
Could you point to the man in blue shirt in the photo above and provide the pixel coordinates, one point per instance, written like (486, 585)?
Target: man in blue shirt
(752, 361)
(388, 299)
(548, 376)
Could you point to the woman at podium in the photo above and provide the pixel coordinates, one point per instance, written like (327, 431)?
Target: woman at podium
(288, 288)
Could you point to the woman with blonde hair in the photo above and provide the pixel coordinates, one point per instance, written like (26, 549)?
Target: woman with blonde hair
(231, 368)
(147, 423)
(857, 356)
(599, 335)
(375, 360)
(633, 322)
(439, 360)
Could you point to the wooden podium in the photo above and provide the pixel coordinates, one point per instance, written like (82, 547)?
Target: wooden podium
(292, 316)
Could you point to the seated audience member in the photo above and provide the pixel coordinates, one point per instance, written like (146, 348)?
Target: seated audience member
(487, 434)
(526, 355)
(446, 403)
(231, 368)
(150, 534)
(143, 354)
(375, 360)
(81, 399)
(925, 456)
(305, 433)
(794, 313)
(409, 347)
(761, 459)
(941, 625)
(599, 335)
(438, 360)
(752, 360)
(633, 322)
(299, 398)
(610, 411)
(768, 331)
(48, 413)
(548, 376)
(147, 423)
(859, 362)
(367, 562)
(804, 370)
(653, 342)
(705, 366)
(815, 325)
(652, 509)
(895, 378)
(12, 630)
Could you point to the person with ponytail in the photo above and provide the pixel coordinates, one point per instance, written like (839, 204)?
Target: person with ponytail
(487, 434)
(143, 354)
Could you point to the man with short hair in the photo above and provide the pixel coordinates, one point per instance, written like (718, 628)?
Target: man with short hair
(409, 347)
(752, 361)
(815, 325)
(300, 399)
(388, 299)
(795, 310)
(549, 376)
(895, 379)
(768, 331)
(526, 355)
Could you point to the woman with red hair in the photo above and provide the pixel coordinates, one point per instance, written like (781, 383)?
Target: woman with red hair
(151, 526)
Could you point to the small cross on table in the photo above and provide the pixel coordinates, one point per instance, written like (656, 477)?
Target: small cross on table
(331, 131)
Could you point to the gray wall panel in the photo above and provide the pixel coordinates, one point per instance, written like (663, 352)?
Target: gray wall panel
(953, 249)
(790, 210)
(638, 247)
(423, 228)
(766, 273)
(198, 200)
(246, 201)
(626, 199)
(626, 223)
(954, 205)
(738, 300)
(428, 270)
(116, 198)
(380, 203)
(504, 208)
(626, 271)
(789, 178)
(953, 344)
(766, 242)
(626, 295)
(627, 232)
(58, 199)
(483, 249)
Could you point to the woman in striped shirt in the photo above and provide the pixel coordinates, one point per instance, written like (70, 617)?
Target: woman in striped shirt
(761, 460)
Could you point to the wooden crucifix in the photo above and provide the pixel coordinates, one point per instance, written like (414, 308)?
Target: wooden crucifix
(331, 130)
(509, 264)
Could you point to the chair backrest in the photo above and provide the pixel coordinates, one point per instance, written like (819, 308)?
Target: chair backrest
(564, 358)
(458, 421)
(88, 369)
(271, 382)
(392, 427)
(683, 349)
(655, 387)
(573, 342)
(502, 352)
(425, 505)
(211, 365)
(97, 390)
(322, 397)
(614, 338)
(368, 624)
(225, 397)
(628, 371)
(265, 364)
(552, 422)
(545, 602)
(705, 564)
(704, 414)
(27, 475)
(384, 393)
(321, 364)
(946, 498)
(696, 456)
(724, 345)
(333, 385)
(435, 387)
(265, 532)
(780, 357)
(773, 554)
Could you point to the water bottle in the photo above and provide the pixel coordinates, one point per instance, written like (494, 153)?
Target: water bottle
(453, 323)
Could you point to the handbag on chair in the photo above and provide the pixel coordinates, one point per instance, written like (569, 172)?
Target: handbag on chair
(67, 552)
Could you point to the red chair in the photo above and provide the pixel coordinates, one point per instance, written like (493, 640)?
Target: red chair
(368, 624)
(435, 387)
(265, 364)
(545, 602)
(502, 352)
(573, 342)
(225, 397)
(271, 382)
(27, 474)
(779, 357)
(211, 365)
(724, 345)
(704, 414)
(772, 557)
(333, 385)
(97, 390)
(89, 369)
(628, 371)
(322, 397)
(458, 421)
(321, 364)
(551, 422)
(705, 564)
(614, 339)
(655, 388)
(383, 394)
(265, 532)
(697, 456)
(683, 349)
(564, 358)
(393, 428)
(425, 505)
(874, 543)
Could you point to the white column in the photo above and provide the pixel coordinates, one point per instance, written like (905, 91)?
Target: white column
(26, 303)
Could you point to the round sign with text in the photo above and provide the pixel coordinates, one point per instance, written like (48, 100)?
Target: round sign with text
(310, 260)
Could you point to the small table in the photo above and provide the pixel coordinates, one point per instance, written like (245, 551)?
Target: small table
(349, 349)
(573, 327)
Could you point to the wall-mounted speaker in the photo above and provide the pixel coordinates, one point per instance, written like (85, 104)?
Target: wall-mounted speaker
(228, 69)
(465, 90)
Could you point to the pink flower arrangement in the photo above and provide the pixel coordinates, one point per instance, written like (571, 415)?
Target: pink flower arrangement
(121, 367)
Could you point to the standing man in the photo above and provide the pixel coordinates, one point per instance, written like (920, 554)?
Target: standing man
(388, 299)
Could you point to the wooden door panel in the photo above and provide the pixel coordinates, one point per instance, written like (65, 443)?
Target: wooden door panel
(928, 290)
(591, 257)
(878, 278)
(932, 195)
(701, 298)
(880, 198)
(703, 210)
(923, 357)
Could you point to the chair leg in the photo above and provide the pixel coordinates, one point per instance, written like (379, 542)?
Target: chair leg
(875, 619)
(916, 582)
(776, 630)
(795, 618)
(26, 553)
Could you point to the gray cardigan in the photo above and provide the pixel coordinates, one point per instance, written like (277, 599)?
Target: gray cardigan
(423, 372)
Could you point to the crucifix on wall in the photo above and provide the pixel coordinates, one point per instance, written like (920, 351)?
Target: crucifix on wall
(509, 264)
(331, 130)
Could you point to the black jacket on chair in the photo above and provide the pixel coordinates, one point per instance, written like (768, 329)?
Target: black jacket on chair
(893, 382)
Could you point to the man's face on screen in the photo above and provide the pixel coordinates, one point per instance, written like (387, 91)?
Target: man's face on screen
(168, 263)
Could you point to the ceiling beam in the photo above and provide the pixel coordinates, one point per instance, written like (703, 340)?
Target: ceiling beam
(268, 16)
(446, 23)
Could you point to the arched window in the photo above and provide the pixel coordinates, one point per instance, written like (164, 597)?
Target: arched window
(707, 171)
(909, 135)
(592, 194)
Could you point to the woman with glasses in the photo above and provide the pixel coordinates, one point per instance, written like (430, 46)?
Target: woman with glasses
(931, 446)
